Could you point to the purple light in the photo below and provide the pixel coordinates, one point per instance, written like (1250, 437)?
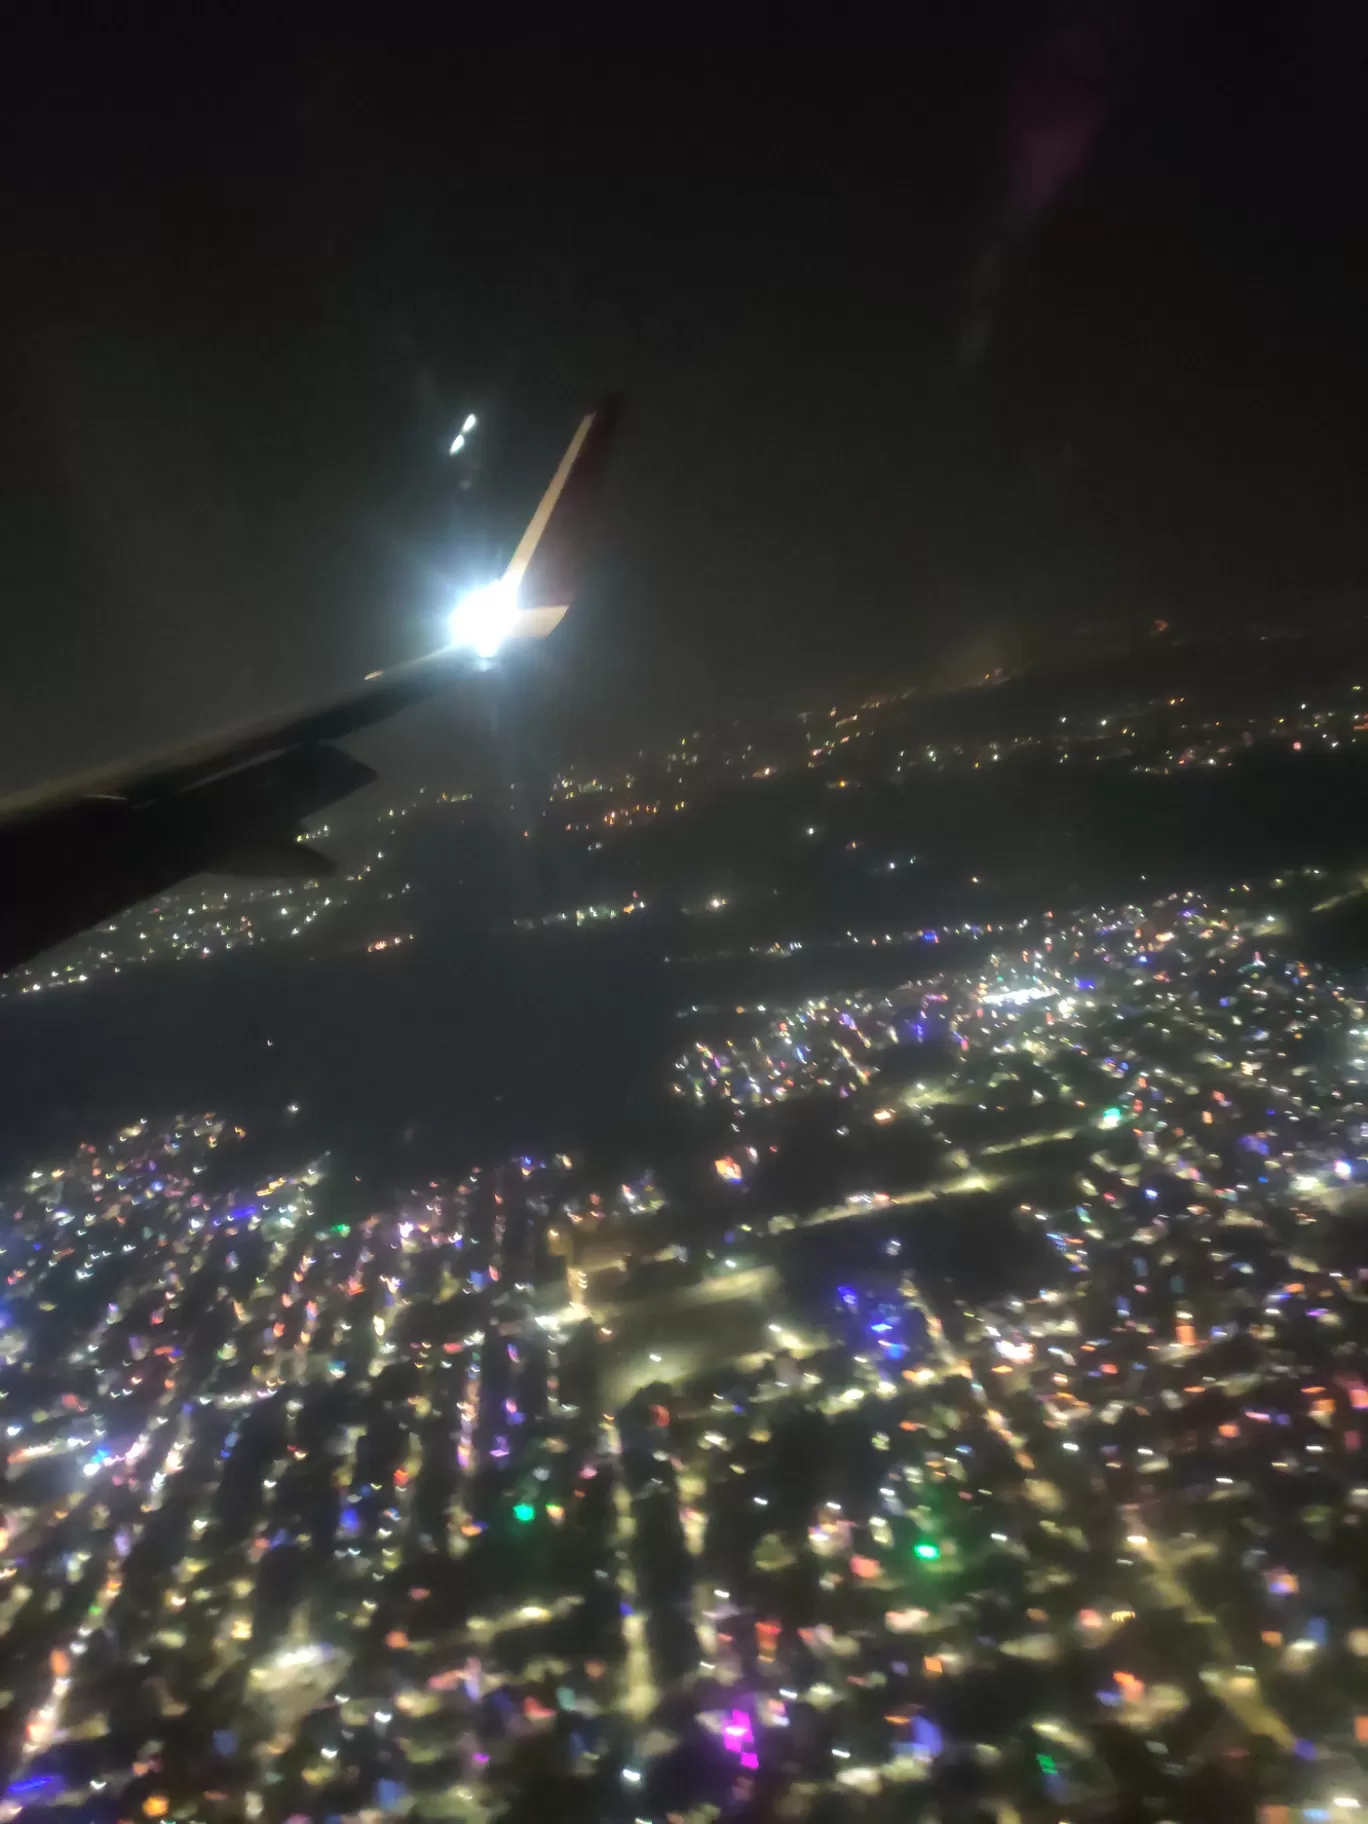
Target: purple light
(740, 1739)
(926, 1736)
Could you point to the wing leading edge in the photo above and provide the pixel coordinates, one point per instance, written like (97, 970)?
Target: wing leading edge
(74, 854)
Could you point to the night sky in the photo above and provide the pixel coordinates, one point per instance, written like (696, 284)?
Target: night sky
(937, 347)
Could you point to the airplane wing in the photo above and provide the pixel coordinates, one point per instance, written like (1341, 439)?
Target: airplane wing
(74, 854)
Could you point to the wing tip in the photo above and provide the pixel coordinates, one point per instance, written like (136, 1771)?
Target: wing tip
(549, 562)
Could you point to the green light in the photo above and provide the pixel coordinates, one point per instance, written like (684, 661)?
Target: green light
(1046, 1763)
(1111, 1117)
(924, 1549)
(339, 1228)
(523, 1512)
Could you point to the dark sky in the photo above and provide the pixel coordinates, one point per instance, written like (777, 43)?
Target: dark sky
(934, 344)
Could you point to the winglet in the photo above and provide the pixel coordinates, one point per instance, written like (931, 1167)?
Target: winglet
(548, 565)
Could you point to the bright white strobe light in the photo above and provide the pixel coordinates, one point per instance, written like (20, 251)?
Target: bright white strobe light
(469, 424)
(482, 620)
(458, 443)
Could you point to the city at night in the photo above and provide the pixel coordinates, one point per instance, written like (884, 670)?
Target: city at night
(684, 960)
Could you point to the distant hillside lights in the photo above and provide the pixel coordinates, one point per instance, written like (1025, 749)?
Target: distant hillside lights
(582, 916)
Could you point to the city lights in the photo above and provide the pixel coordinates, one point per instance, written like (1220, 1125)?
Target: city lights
(973, 1314)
